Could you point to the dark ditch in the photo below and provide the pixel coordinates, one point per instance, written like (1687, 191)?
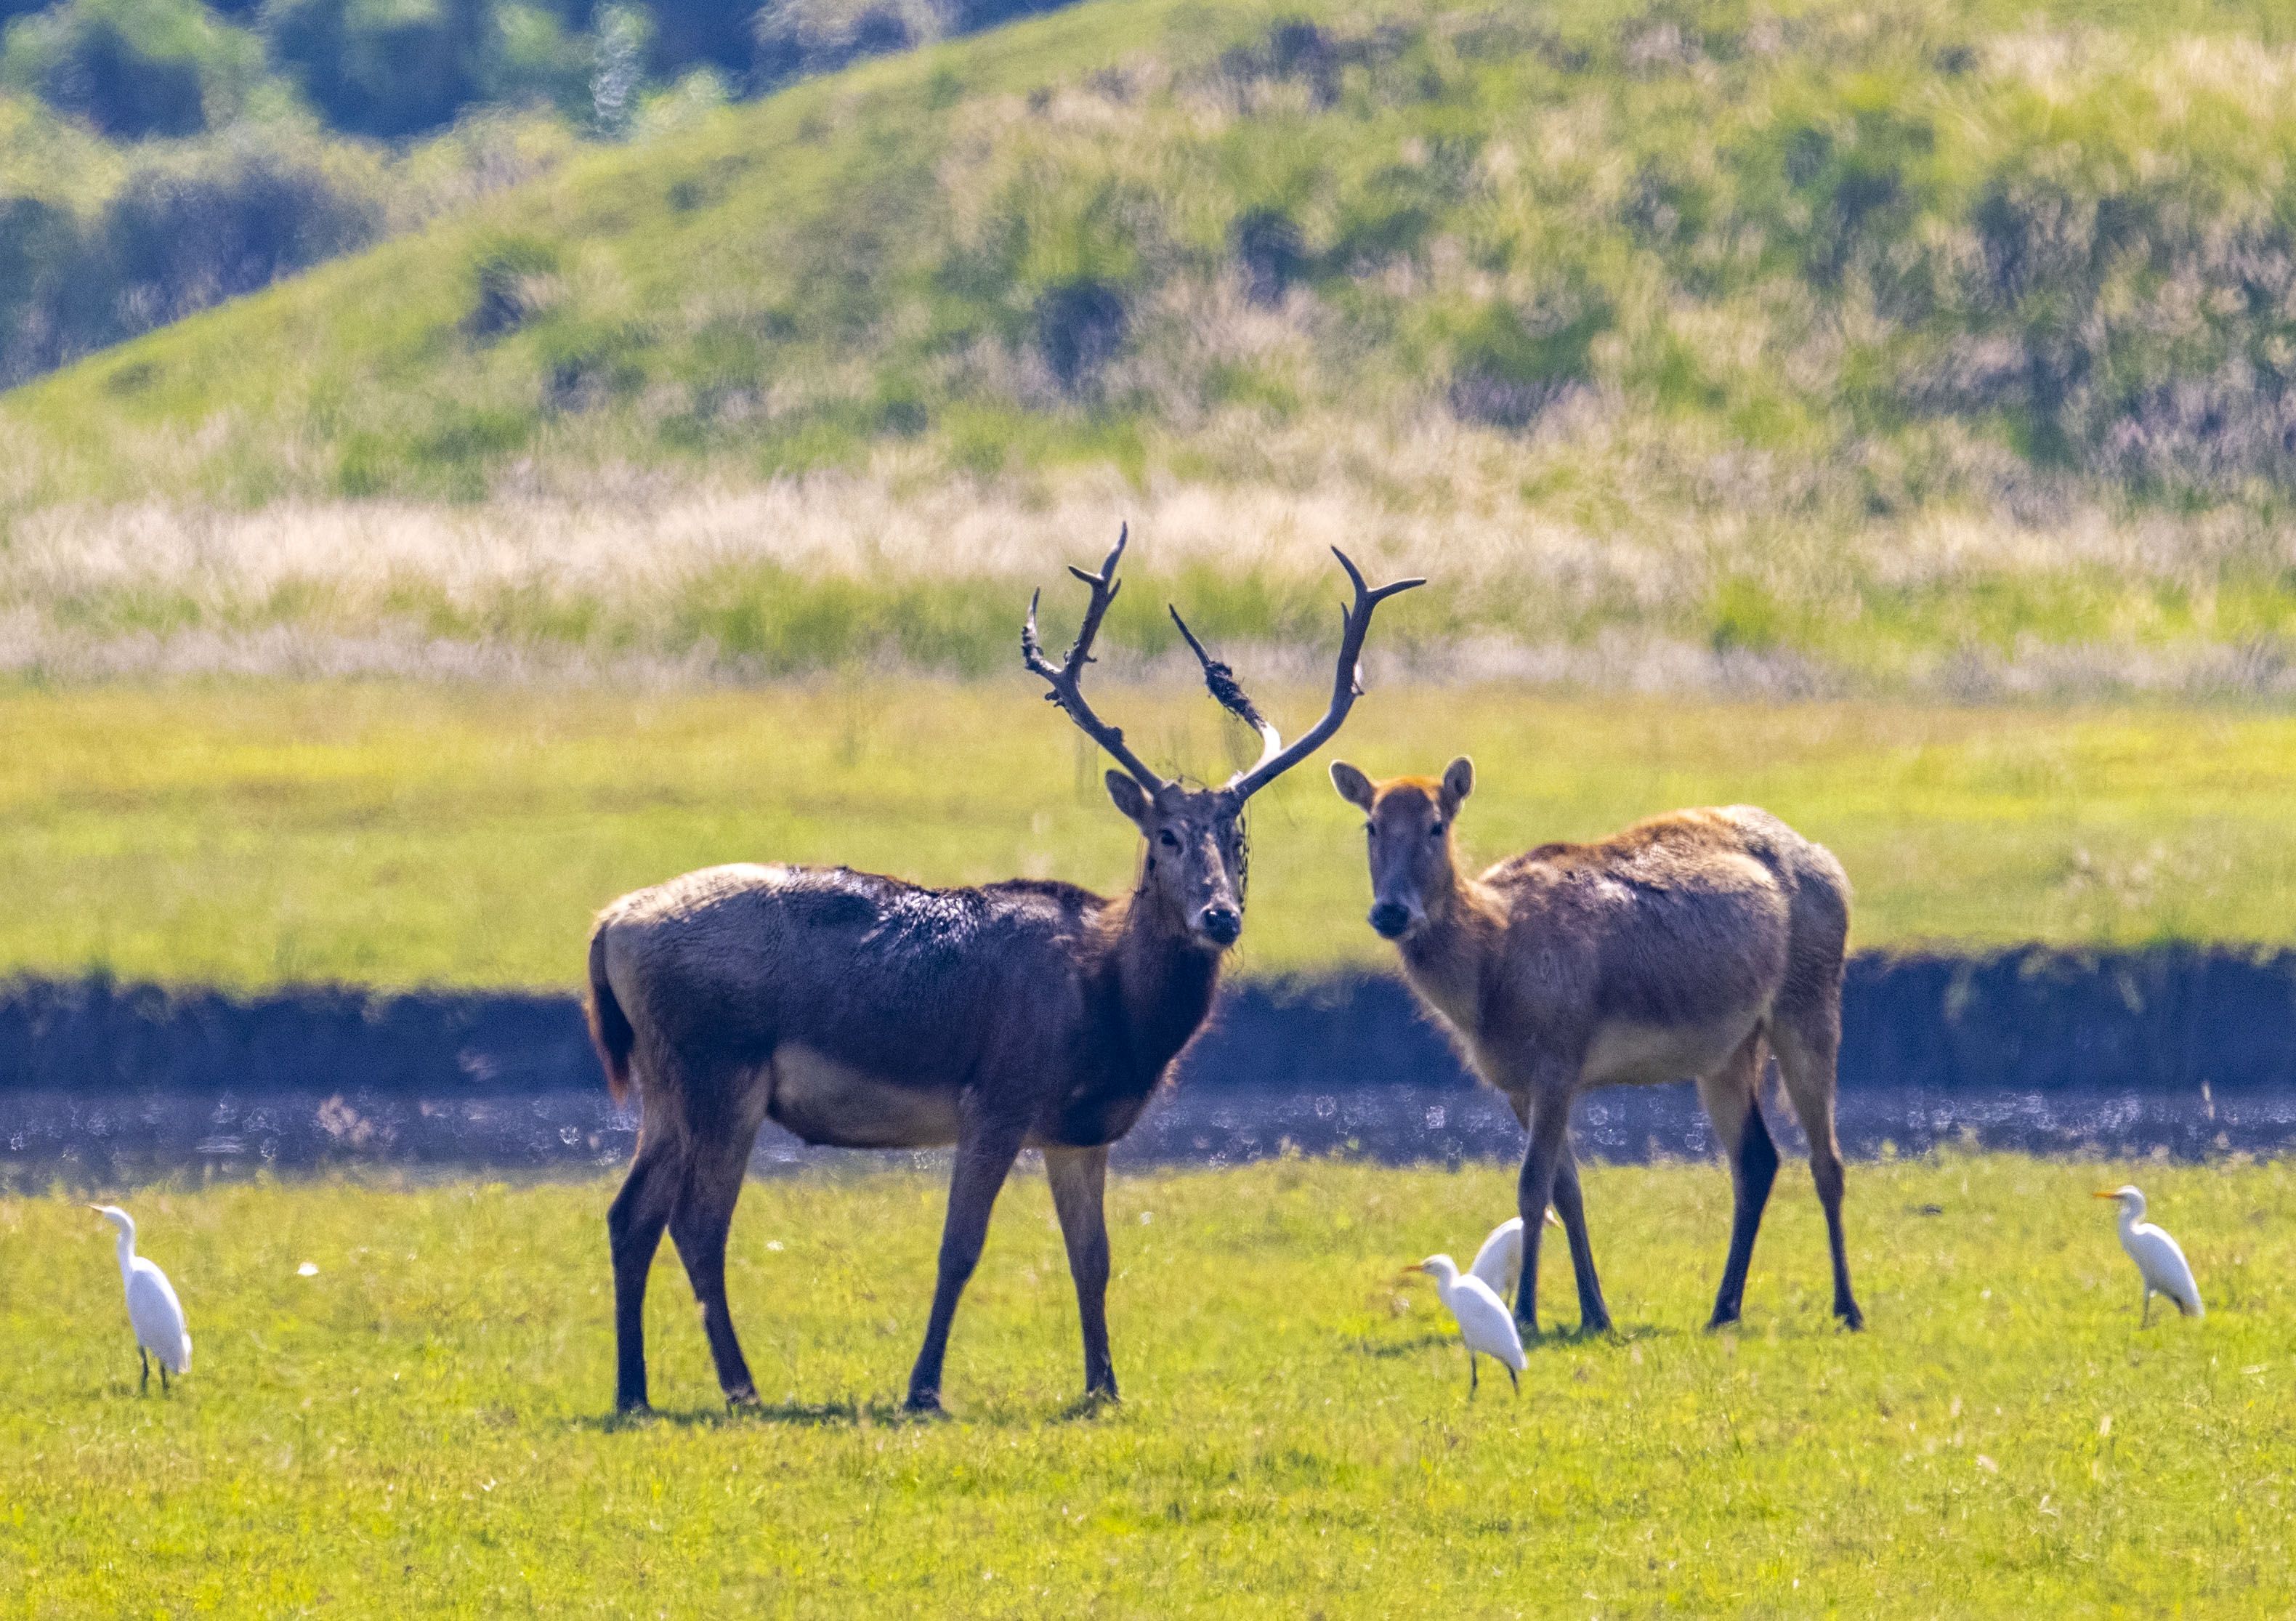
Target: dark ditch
(2182, 1051)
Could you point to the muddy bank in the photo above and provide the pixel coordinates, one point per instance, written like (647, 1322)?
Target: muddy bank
(2031, 1020)
(2181, 1050)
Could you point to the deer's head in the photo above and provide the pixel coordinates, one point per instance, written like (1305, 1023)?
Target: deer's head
(1191, 866)
(1408, 822)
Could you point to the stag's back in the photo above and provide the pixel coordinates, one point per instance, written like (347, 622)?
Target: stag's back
(723, 965)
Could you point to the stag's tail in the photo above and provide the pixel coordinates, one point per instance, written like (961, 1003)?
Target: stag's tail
(610, 1026)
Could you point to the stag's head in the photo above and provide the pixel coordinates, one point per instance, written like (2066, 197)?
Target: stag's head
(1192, 869)
(1408, 822)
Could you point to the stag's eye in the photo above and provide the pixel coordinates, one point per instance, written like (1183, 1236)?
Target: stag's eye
(1436, 831)
(1168, 839)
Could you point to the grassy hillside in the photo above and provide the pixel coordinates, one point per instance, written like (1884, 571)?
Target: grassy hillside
(1941, 341)
(267, 833)
(418, 1428)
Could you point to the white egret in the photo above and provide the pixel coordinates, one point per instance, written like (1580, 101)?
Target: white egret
(1499, 1262)
(2159, 1261)
(153, 1311)
(1484, 1321)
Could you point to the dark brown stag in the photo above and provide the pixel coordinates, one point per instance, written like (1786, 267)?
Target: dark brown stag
(865, 1013)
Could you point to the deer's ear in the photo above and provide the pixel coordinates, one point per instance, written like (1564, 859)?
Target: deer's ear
(1354, 787)
(1458, 782)
(1131, 799)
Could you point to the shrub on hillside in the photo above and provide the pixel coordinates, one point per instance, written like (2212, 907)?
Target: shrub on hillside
(133, 68)
(800, 36)
(176, 237)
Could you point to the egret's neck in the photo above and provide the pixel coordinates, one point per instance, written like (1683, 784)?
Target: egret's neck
(127, 1247)
(2131, 1213)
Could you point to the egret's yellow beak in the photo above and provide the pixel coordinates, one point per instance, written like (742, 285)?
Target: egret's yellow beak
(97, 1208)
(2105, 1194)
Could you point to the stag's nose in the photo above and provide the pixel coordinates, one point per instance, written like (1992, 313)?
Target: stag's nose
(1221, 924)
(1391, 919)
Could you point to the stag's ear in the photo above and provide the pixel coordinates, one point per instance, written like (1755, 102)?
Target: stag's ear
(1354, 787)
(1458, 782)
(1131, 799)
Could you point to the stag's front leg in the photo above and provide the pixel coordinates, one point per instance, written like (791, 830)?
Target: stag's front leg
(1550, 1127)
(984, 1158)
(1079, 1178)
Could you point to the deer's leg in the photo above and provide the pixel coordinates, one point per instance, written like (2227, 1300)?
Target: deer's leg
(984, 1158)
(1550, 1141)
(1808, 1040)
(698, 1225)
(1729, 1095)
(634, 1227)
(1080, 1177)
(1593, 1316)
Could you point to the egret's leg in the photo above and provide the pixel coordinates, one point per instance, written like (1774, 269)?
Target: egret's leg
(1513, 1380)
(163, 1378)
(1728, 1094)
(2147, 1321)
(984, 1158)
(145, 1387)
(1080, 1179)
(1472, 1380)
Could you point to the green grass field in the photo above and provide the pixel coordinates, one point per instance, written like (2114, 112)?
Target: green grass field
(421, 1428)
(254, 834)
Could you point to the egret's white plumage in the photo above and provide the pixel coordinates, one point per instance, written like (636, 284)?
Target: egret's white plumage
(1499, 1262)
(2158, 1262)
(1484, 1321)
(153, 1312)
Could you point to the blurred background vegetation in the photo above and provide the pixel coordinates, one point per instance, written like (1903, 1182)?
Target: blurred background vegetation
(1941, 346)
(159, 155)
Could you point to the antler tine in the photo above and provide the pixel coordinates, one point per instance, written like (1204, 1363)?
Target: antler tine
(1347, 687)
(1229, 693)
(1063, 679)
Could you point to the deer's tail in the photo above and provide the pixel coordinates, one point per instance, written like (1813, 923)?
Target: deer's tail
(610, 1026)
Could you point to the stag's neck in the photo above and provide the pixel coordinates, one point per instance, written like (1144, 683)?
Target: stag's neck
(1161, 980)
(1448, 958)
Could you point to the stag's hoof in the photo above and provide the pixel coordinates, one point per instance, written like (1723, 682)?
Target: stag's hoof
(924, 1404)
(1853, 1320)
(736, 1400)
(633, 1407)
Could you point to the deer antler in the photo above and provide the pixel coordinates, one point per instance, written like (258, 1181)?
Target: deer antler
(1065, 691)
(1274, 758)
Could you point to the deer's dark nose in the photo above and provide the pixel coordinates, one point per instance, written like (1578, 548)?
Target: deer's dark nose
(1221, 924)
(1391, 919)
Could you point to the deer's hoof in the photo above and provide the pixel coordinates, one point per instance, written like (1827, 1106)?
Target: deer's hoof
(924, 1404)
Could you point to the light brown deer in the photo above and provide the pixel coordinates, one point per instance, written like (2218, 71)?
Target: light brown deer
(865, 1013)
(1685, 945)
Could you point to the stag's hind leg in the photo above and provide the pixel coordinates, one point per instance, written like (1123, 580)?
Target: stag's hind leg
(1732, 1103)
(1809, 1040)
(698, 1225)
(634, 1226)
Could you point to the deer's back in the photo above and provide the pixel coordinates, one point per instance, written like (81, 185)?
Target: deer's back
(886, 977)
(1666, 939)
